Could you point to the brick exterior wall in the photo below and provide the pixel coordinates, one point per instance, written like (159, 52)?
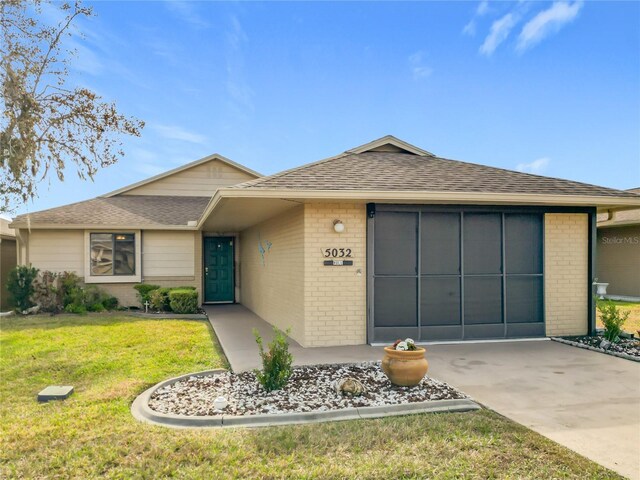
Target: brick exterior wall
(566, 273)
(273, 288)
(324, 305)
(335, 297)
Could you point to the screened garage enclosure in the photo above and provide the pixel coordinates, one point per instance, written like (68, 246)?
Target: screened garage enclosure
(447, 273)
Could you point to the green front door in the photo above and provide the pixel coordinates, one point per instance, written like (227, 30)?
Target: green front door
(218, 269)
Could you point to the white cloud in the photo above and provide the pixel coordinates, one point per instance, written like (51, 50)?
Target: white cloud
(418, 68)
(187, 12)
(84, 59)
(547, 22)
(240, 92)
(537, 166)
(500, 30)
(470, 28)
(164, 49)
(483, 8)
(175, 132)
(143, 155)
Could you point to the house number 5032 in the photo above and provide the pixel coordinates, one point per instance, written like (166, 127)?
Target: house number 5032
(337, 252)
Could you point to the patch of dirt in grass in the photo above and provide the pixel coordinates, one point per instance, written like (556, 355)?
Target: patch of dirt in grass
(119, 389)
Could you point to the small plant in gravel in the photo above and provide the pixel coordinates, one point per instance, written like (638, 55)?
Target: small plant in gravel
(276, 362)
(612, 319)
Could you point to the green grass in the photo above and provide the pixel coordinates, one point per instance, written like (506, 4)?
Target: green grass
(632, 325)
(110, 360)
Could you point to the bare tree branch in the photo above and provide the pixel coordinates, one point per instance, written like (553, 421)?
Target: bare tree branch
(46, 125)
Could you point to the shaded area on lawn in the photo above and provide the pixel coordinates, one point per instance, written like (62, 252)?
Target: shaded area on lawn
(111, 360)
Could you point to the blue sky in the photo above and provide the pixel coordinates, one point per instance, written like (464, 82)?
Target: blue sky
(546, 87)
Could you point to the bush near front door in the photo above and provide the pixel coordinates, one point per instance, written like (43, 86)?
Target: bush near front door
(164, 299)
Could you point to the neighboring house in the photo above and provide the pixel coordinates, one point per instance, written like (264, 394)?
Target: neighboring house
(7, 260)
(619, 251)
(424, 247)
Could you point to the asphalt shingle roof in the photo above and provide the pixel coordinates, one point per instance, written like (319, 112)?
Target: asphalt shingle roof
(124, 210)
(390, 171)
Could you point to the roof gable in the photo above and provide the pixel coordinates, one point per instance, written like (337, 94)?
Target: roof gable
(390, 144)
(200, 178)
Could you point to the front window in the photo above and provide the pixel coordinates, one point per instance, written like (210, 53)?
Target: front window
(113, 254)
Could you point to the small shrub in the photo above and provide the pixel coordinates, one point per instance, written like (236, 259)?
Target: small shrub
(110, 303)
(96, 300)
(68, 284)
(75, 300)
(144, 289)
(186, 288)
(75, 308)
(20, 286)
(612, 319)
(276, 363)
(92, 295)
(183, 300)
(159, 299)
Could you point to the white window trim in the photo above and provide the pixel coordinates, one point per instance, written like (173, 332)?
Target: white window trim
(88, 278)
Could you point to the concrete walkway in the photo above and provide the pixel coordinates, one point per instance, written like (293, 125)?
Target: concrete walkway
(586, 401)
(234, 326)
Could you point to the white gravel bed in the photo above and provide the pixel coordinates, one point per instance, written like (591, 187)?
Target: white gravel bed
(310, 389)
(626, 347)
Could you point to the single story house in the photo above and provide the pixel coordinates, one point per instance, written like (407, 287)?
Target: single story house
(618, 252)
(383, 241)
(8, 259)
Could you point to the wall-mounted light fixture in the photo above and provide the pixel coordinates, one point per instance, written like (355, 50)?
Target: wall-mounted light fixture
(338, 226)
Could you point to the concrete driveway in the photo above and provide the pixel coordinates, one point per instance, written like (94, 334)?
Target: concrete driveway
(584, 400)
(587, 401)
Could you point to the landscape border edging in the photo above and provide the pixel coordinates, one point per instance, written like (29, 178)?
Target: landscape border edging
(596, 349)
(142, 412)
(169, 316)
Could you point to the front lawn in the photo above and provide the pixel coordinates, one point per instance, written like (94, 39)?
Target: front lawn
(110, 360)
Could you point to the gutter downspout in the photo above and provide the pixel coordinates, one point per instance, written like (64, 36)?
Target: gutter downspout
(592, 252)
(141, 257)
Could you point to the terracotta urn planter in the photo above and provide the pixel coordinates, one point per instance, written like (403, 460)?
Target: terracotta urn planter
(404, 368)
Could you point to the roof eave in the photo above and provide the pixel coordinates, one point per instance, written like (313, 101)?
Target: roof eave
(421, 195)
(626, 223)
(72, 226)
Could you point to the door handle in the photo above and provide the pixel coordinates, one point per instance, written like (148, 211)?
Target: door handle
(206, 270)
